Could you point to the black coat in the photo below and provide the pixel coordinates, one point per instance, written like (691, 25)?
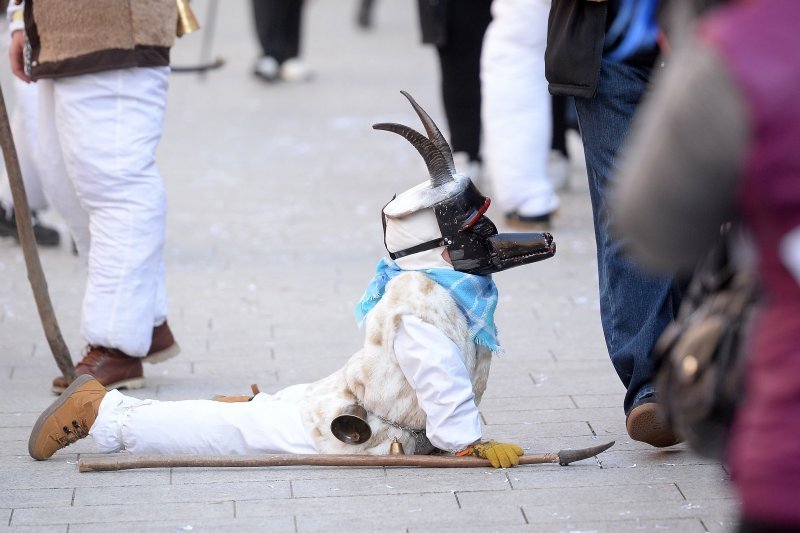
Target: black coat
(576, 30)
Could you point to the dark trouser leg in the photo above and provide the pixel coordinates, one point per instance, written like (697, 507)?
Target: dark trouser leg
(278, 27)
(460, 69)
(559, 110)
(634, 306)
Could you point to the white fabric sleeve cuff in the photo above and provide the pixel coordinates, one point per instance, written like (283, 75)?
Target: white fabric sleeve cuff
(434, 368)
(15, 22)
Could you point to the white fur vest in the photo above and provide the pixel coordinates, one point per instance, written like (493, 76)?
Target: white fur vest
(373, 378)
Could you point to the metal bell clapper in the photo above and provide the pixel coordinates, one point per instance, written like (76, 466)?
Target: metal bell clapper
(351, 425)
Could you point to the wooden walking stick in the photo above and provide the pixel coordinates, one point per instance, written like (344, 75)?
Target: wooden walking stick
(127, 462)
(27, 241)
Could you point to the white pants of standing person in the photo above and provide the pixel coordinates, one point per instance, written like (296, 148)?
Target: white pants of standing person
(516, 108)
(23, 126)
(98, 134)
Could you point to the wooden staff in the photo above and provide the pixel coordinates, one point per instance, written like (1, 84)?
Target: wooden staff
(128, 462)
(27, 241)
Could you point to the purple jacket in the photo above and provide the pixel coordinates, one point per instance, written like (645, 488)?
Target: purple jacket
(759, 43)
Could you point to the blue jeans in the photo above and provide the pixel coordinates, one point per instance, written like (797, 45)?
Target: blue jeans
(634, 306)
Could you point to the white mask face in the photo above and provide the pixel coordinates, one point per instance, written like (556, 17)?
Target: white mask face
(411, 230)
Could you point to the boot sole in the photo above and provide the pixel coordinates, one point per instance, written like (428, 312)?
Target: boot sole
(133, 383)
(646, 426)
(37, 427)
(162, 355)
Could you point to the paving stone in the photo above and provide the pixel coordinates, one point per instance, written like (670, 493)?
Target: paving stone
(114, 513)
(19, 498)
(197, 525)
(234, 490)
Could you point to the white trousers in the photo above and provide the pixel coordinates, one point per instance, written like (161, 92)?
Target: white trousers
(267, 424)
(516, 107)
(23, 127)
(98, 135)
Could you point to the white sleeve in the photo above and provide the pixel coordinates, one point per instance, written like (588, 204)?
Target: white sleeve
(433, 366)
(14, 15)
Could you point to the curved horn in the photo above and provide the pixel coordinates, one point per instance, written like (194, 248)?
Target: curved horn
(433, 132)
(434, 160)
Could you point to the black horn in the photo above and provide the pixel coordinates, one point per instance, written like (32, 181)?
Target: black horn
(434, 160)
(433, 132)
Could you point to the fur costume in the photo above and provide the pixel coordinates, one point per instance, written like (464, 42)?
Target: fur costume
(85, 36)
(373, 378)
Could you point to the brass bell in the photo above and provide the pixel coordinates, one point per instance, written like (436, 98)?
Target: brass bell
(351, 425)
(187, 23)
(396, 448)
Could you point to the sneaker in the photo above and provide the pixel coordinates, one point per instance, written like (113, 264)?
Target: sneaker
(529, 223)
(163, 345)
(111, 367)
(645, 425)
(68, 419)
(44, 235)
(267, 69)
(294, 71)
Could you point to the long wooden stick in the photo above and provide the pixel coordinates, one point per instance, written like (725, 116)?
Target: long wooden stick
(27, 241)
(128, 462)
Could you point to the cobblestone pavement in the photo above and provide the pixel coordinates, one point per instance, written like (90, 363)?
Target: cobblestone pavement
(274, 231)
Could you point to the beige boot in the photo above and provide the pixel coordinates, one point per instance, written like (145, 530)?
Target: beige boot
(68, 419)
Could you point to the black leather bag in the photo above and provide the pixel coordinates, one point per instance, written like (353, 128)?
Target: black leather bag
(700, 357)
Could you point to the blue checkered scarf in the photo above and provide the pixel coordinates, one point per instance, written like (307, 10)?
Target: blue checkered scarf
(475, 296)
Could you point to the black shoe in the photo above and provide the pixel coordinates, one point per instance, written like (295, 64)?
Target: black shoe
(45, 236)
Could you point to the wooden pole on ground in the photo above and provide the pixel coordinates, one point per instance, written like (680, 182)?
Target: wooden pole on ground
(126, 462)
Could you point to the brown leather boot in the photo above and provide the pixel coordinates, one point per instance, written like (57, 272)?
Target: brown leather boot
(645, 425)
(163, 345)
(111, 367)
(68, 419)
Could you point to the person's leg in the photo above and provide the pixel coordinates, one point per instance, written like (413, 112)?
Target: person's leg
(293, 16)
(57, 184)
(267, 424)
(516, 108)
(634, 307)
(263, 425)
(460, 70)
(559, 112)
(24, 128)
(109, 126)
(265, 21)
(364, 13)
(278, 27)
